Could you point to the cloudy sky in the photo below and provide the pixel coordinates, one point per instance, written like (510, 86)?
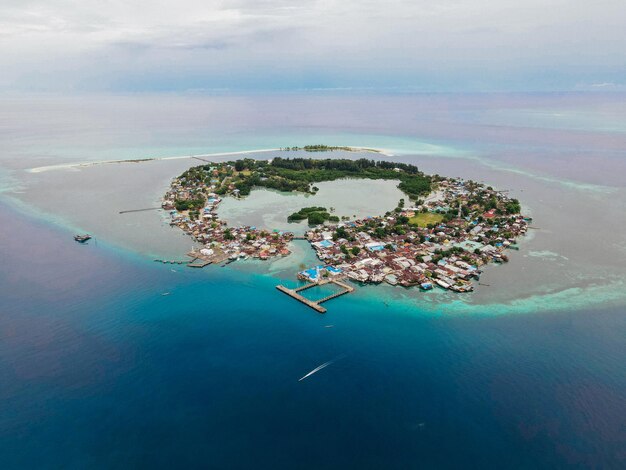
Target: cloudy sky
(442, 45)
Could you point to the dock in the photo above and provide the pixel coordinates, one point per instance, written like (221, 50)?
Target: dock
(202, 159)
(199, 260)
(315, 304)
(140, 210)
(198, 263)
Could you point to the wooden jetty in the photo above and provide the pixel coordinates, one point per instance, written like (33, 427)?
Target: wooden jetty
(140, 210)
(198, 263)
(198, 260)
(315, 304)
(202, 159)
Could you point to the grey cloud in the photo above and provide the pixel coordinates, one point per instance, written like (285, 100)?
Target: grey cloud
(376, 42)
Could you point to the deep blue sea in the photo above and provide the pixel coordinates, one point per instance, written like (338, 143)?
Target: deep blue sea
(99, 369)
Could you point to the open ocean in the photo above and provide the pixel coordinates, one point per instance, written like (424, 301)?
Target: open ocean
(98, 369)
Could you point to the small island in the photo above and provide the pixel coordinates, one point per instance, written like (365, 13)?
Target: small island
(441, 234)
(328, 148)
(313, 215)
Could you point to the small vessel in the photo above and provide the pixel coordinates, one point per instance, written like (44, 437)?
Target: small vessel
(82, 238)
(165, 293)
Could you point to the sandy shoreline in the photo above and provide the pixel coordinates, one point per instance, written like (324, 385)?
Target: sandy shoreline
(65, 166)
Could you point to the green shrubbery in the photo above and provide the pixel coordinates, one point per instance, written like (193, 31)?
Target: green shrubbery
(300, 174)
(189, 204)
(314, 215)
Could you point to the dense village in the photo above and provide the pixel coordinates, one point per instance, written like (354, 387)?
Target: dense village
(442, 240)
(192, 202)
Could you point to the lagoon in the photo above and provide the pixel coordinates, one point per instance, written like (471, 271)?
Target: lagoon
(354, 198)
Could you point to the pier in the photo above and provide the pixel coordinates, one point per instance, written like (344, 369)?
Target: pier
(198, 263)
(140, 210)
(315, 304)
(199, 260)
(202, 159)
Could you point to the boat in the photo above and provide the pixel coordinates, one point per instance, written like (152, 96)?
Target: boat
(82, 238)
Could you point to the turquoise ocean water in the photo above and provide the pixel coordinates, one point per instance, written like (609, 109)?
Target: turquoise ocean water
(99, 369)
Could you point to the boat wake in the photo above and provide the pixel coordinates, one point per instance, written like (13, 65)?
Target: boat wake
(322, 366)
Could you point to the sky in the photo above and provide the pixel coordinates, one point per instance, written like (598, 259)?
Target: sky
(275, 45)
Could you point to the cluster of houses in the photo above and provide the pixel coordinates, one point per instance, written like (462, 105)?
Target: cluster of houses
(201, 221)
(442, 241)
(449, 253)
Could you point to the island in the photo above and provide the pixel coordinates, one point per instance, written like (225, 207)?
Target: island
(441, 235)
(314, 215)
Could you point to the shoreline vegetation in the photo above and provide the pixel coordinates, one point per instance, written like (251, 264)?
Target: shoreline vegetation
(449, 228)
(300, 174)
